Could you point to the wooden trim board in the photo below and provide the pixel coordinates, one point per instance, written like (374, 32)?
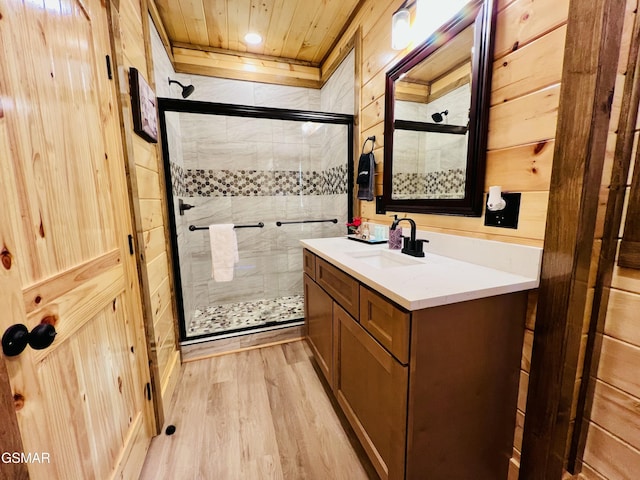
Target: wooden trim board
(213, 348)
(613, 218)
(594, 32)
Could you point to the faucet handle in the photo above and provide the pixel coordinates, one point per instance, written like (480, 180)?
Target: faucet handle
(413, 247)
(420, 243)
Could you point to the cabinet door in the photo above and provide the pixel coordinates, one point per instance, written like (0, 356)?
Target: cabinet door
(386, 322)
(318, 314)
(371, 387)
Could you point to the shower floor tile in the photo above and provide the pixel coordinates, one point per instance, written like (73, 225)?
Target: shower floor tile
(243, 315)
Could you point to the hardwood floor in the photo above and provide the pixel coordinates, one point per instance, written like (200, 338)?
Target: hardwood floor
(255, 415)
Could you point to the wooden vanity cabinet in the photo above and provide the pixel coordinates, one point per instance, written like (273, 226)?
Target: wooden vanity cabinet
(431, 393)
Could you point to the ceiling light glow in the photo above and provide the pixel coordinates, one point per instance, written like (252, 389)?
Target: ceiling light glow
(253, 38)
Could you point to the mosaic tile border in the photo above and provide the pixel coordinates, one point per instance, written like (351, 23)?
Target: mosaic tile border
(258, 183)
(440, 184)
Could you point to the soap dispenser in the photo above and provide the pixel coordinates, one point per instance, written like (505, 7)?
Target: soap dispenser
(395, 235)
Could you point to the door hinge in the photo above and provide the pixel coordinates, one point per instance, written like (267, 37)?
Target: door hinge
(109, 73)
(148, 389)
(130, 244)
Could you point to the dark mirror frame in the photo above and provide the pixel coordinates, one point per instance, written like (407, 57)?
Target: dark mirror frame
(472, 203)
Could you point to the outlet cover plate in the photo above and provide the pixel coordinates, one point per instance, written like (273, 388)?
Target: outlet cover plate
(506, 218)
(380, 210)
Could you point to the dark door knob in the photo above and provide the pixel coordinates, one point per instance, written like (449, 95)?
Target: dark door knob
(42, 336)
(14, 340)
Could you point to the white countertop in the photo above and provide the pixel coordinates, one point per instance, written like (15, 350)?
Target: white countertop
(437, 279)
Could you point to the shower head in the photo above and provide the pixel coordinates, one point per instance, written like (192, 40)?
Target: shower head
(438, 117)
(186, 91)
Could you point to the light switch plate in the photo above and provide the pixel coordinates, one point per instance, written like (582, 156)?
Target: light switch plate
(507, 217)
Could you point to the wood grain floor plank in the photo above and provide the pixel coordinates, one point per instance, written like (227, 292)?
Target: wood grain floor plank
(255, 415)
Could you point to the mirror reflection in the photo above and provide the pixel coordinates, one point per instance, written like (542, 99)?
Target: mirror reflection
(436, 115)
(432, 103)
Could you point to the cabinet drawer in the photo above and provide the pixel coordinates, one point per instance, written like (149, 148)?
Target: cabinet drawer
(339, 285)
(386, 323)
(309, 263)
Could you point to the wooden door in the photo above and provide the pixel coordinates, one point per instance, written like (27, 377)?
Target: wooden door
(65, 260)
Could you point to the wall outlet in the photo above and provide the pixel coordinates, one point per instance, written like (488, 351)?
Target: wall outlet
(380, 210)
(507, 217)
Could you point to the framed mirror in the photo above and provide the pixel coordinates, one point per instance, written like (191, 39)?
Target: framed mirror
(436, 118)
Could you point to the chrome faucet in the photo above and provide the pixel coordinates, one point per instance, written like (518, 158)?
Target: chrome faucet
(411, 245)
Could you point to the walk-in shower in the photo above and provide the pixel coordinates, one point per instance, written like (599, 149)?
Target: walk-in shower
(278, 176)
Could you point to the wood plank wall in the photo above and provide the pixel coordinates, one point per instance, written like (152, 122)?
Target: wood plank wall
(147, 184)
(612, 449)
(524, 102)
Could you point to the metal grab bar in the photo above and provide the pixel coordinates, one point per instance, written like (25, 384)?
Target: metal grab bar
(257, 225)
(332, 220)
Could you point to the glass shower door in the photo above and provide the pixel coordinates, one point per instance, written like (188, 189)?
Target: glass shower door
(268, 177)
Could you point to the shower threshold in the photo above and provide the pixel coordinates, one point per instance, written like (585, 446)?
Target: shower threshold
(240, 317)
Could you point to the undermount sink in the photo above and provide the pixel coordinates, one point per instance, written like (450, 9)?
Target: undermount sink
(384, 259)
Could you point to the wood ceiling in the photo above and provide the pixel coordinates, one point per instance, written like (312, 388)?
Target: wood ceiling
(294, 31)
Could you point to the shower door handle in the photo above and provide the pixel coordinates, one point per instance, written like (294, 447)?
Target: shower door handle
(184, 206)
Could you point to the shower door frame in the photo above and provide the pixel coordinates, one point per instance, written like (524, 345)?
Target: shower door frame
(231, 110)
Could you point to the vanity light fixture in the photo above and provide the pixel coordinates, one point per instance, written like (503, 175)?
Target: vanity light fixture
(431, 14)
(401, 29)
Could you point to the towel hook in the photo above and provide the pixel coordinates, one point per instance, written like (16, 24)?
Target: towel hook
(373, 141)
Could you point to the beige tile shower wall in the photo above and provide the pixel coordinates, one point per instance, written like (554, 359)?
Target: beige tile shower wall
(337, 93)
(244, 171)
(527, 72)
(150, 221)
(612, 448)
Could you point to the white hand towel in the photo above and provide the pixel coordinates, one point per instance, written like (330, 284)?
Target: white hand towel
(224, 251)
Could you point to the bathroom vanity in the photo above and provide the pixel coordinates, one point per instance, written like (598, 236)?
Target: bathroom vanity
(422, 354)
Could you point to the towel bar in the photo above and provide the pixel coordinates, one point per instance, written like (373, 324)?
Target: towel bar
(332, 220)
(257, 225)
